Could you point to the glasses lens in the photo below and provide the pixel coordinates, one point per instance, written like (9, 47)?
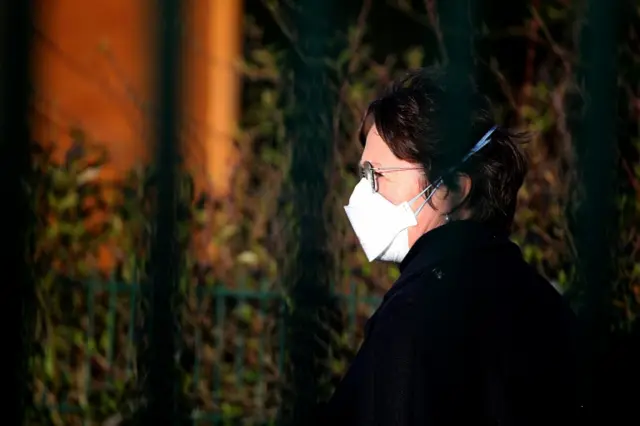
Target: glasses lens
(362, 171)
(368, 173)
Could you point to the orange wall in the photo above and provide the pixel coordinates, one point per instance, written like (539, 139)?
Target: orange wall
(94, 61)
(92, 65)
(212, 89)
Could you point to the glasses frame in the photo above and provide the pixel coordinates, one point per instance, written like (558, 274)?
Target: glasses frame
(370, 173)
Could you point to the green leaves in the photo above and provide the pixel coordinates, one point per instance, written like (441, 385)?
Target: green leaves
(414, 57)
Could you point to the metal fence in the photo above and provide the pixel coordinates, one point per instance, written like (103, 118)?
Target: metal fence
(232, 361)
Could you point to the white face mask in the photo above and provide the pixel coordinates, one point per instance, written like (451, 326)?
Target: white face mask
(383, 227)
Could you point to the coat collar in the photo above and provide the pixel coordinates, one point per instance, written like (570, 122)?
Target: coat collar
(452, 240)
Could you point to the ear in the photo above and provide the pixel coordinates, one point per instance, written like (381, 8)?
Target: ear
(450, 201)
(464, 187)
(440, 200)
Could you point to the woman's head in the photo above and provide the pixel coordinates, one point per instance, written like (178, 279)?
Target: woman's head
(403, 130)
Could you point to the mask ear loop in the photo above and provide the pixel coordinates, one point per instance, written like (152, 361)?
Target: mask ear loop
(478, 146)
(438, 183)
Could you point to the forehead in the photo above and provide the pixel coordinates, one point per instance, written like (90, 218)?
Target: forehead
(377, 152)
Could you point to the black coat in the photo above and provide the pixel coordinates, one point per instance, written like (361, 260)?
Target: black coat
(470, 334)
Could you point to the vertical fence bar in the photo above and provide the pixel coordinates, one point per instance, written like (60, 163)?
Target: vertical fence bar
(596, 165)
(15, 97)
(161, 381)
(261, 386)
(309, 272)
(220, 300)
(457, 29)
(90, 348)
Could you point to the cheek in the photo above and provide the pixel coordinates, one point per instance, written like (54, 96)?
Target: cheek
(398, 191)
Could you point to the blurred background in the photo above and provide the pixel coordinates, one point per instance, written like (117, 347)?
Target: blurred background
(175, 173)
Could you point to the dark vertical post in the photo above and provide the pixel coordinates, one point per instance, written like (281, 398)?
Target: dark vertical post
(15, 98)
(161, 381)
(309, 269)
(596, 164)
(457, 29)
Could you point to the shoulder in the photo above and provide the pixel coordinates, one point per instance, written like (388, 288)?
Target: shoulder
(418, 303)
(475, 287)
(441, 285)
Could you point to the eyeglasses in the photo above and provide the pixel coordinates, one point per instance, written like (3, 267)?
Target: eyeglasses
(371, 173)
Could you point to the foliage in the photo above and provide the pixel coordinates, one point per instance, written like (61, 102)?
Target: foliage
(91, 254)
(85, 359)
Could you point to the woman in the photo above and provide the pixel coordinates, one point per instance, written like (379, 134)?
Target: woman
(469, 334)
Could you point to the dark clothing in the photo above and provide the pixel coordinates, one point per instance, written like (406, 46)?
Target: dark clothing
(468, 335)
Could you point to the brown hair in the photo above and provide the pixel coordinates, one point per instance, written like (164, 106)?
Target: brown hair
(409, 118)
